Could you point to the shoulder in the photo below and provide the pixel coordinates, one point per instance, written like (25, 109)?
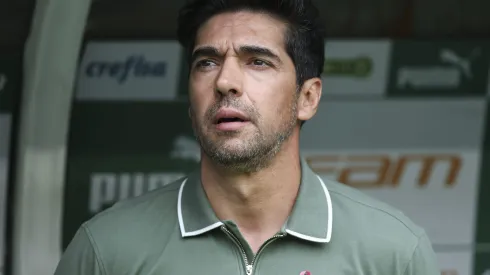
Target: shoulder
(372, 213)
(378, 232)
(149, 205)
(135, 224)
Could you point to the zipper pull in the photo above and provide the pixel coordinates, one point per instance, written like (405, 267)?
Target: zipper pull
(249, 269)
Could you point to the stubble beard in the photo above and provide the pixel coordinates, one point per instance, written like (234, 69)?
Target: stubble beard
(252, 154)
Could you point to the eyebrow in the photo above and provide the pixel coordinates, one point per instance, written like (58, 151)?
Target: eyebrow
(245, 49)
(204, 51)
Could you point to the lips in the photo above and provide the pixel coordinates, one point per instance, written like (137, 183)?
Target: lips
(230, 115)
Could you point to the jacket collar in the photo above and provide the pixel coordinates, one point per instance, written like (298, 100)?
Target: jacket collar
(310, 219)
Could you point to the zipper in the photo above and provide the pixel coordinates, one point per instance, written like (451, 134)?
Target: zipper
(270, 240)
(249, 265)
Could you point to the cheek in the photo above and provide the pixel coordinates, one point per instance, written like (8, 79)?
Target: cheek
(199, 101)
(200, 108)
(271, 112)
(281, 104)
(272, 107)
(197, 110)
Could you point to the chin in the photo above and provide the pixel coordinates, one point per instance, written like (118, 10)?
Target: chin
(241, 134)
(233, 145)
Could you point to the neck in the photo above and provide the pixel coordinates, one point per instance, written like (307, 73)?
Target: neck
(259, 203)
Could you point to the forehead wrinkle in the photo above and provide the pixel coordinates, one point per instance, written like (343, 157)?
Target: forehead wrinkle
(238, 25)
(229, 32)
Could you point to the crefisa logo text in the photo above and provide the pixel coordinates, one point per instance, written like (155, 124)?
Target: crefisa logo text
(134, 66)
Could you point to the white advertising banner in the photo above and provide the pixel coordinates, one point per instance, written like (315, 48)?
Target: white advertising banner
(5, 121)
(129, 71)
(356, 68)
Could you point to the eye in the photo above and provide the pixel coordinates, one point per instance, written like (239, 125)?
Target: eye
(259, 62)
(205, 63)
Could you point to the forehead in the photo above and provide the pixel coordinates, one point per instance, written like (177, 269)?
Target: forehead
(228, 30)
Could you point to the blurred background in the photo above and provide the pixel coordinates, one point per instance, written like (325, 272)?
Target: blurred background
(93, 110)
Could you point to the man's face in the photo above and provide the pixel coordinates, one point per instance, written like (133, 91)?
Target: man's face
(242, 90)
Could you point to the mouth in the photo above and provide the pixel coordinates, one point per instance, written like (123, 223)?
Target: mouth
(230, 115)
(229, 119)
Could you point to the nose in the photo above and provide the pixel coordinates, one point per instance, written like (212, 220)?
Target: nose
(229, 80)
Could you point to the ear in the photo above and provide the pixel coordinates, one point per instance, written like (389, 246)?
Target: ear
(309, 98)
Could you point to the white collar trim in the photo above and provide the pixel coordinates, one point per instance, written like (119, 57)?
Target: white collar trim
(329, 221)
(181, 220)
(327, 238)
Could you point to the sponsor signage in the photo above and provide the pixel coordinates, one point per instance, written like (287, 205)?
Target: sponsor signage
(107, 186)
(386, 170)
(129, 71)
(428, 68)
(355, 68)
(436, 190)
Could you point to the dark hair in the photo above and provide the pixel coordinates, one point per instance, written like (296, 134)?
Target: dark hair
(304, 38)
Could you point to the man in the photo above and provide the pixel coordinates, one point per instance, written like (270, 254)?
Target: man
(254, 206)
